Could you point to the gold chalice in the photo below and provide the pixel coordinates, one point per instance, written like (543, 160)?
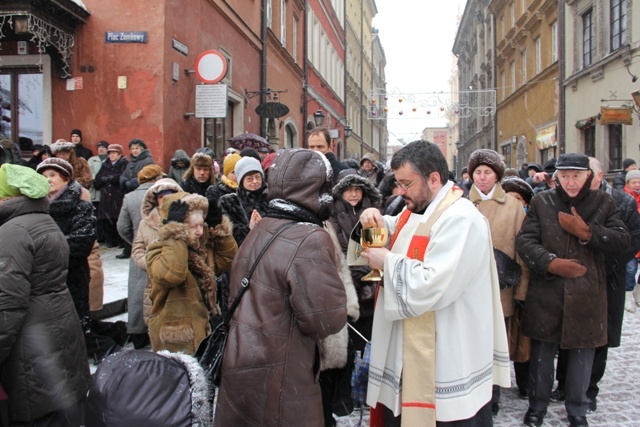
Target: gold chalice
(374, 238)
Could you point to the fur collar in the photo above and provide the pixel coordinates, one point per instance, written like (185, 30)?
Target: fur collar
(498, 194)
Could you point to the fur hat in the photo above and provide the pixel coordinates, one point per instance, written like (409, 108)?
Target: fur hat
(137, 141)
(517, 185)
(573, 161)
(150, 173)
(115, 147)
(16, 180)
(627, 162)
(104, 144)
(201, 160)
(486, 157)
(76, 132)
(229, 163)
(247, 165)
(62, 145)
(58, 164)
(634, 174)
(196, 202)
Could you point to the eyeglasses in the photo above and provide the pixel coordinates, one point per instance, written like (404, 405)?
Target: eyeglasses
(257, 178)
(406, 186)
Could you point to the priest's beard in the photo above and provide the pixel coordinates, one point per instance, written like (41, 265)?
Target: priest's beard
(418, 204)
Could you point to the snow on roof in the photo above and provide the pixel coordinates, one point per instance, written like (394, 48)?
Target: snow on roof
(79, 3)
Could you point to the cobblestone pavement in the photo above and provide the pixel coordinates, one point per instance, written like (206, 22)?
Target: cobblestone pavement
(618, 401)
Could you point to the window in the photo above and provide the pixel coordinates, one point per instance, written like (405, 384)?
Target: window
(587, 38)
(618, 23)
(512, 10)
(294, 34)
(590, 141)
(283, 22)
(269, 13)
(503, 84)
(217, 131)
(524, 6)
(615, 147)
(512, 68)
(524, 66)
(538, 55)
(554, 41)
(502, 33)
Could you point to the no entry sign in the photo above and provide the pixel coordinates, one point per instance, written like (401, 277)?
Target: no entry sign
(211, 66)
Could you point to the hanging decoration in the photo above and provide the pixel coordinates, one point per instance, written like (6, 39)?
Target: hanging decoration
(44, 35)
(586, 124)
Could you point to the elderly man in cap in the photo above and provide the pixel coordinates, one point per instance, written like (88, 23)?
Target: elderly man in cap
(200, 175)
(564, 238)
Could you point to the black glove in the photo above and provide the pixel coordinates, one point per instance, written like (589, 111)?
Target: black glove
(106, 179)
(177, 211)
(214, 214)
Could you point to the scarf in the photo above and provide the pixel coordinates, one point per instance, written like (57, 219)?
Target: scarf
(204, 276)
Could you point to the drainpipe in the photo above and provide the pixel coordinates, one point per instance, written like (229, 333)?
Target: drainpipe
(263, 67)
(561, 76)
(305, 71)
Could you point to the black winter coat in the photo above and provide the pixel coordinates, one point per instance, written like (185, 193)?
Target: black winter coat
(572, 312)
(240, 205)
(191, 185)
(107, 180)
(619, 181)
(129, 178)
(76, 219)
(43, 361)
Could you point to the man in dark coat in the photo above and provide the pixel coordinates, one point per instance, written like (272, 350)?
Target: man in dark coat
(140, 157)
(619, 180)
(200, 175)
(319, 139)
(564, 238)
(43, 361)
(615, 268)
(81, 151)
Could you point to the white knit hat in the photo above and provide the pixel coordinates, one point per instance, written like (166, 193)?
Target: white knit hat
(246, 165)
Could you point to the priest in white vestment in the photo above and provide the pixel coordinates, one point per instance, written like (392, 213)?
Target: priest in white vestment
(439, 277)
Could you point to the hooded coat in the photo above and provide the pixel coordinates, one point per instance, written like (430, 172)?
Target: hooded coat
(295, 298)
(179, 164)
(571, 312)
(43, 361)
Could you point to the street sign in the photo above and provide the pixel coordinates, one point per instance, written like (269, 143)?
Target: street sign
(211, 66)
(211, 101)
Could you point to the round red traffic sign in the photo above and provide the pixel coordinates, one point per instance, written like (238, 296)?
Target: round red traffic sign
(211, 66)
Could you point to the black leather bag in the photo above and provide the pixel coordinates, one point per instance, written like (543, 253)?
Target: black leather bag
(508, 269)
(211, 350)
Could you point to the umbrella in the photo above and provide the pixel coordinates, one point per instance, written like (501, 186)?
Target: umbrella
(248, 140)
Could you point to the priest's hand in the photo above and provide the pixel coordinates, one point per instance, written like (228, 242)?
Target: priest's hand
(375, 256)
(371, 218)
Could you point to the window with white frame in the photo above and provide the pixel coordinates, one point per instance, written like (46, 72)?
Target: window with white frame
(524, 6)
(554, 41)
(283, 22)
(587, 38)
(269, 13)
(618, 18)
(502, 33)
(538, 45)
(524, 66)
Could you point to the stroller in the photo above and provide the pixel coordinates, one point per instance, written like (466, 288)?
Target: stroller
(144, 389)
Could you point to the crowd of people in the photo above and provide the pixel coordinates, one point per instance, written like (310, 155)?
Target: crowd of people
(500, 266)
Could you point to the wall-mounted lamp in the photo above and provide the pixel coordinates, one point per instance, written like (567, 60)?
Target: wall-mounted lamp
(21, 24)
(514, 139)
(634, 78)
(318, 117)
(347, 131)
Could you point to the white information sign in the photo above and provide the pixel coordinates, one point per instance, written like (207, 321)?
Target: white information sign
(211, 101)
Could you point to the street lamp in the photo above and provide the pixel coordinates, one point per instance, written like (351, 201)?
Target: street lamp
(347, 131)
(318, 117)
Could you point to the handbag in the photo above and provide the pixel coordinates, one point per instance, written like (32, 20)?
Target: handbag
(211, 350)
(508, 269)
